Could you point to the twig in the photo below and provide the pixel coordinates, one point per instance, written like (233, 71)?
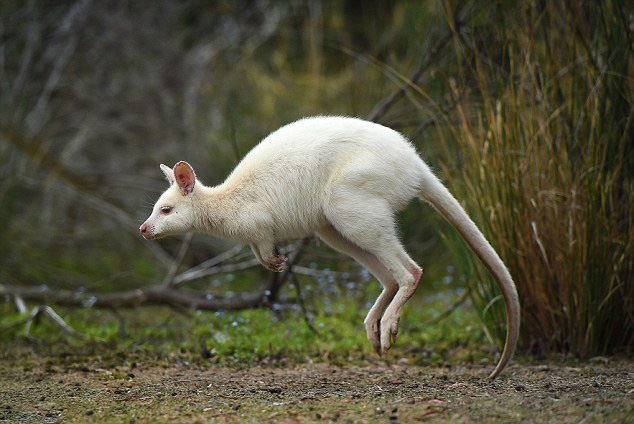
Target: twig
(19, 303)
(204, 268)
(48, 312)
(300, 302)
(491, 302)
(211, 267)
(298, 269)
(29, 322)
(59, 321)
(380, 109)
(220, 269)
(178, 260)
(19, 322)
(452, 308)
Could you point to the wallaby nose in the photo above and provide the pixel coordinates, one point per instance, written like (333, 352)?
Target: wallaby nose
(143, 229)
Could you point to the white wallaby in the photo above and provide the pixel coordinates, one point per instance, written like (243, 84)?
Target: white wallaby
(342, 179)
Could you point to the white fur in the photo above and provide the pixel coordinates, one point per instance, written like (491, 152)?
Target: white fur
(343, 179)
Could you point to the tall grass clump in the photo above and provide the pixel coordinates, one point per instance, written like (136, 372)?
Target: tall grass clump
(543, 123)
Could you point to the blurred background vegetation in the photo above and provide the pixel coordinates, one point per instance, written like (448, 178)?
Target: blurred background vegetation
(525, 108)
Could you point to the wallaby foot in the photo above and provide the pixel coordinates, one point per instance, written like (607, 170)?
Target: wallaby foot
(374, 335)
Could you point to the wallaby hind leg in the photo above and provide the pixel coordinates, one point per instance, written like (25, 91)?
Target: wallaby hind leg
(392, 315)
(406, 288)
(372, 321)
(368, 223)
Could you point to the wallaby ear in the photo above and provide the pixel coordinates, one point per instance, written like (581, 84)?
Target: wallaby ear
(169, 174)
(185, 177)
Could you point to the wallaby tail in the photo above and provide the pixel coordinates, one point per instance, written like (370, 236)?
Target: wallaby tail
(434, 192)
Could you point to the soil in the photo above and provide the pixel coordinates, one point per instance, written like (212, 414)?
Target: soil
(175, 391)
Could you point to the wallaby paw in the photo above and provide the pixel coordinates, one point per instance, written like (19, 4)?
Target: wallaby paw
(372, 330)
(386, 343)
(389, 330)
(276, 263)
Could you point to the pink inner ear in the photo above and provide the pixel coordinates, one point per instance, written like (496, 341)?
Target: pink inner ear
(185, 178)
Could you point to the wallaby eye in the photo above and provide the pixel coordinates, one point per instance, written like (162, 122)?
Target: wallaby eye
(166, 209)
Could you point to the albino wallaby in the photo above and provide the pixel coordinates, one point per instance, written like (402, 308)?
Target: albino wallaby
(343, 179)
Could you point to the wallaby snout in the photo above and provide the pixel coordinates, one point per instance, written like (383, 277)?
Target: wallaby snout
(145, 231)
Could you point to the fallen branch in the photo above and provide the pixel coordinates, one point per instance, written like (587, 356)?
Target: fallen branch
(154, 295)
(35, 313)
(166, 293)
(171, 295)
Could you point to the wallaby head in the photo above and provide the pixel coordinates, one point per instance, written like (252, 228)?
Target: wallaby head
(173, 212)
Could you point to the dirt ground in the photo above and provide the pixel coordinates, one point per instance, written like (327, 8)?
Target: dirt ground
(41, 391)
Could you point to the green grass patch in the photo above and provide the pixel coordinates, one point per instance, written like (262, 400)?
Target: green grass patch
(257, 336)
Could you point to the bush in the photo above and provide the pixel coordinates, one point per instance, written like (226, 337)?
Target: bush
(547, 167)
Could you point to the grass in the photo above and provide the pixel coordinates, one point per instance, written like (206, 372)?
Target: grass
(258, 336)
(543, 126)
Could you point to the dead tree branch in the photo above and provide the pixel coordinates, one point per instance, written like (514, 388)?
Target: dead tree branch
(384, 105)
(35, 313)
(153, 295)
